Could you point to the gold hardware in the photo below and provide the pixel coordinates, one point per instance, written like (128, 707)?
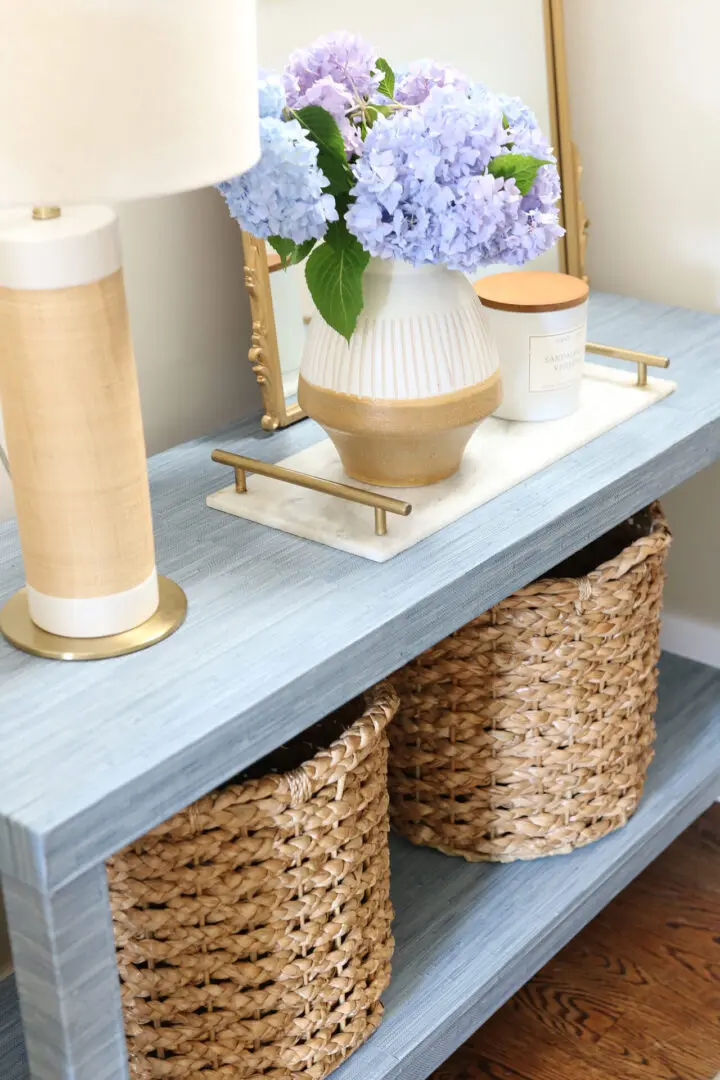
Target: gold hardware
(643, 360)
(383, 504)
(46, 213)
(571, 247)
(19, 629)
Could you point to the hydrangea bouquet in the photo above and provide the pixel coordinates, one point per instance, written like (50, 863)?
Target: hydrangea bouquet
(424, 166)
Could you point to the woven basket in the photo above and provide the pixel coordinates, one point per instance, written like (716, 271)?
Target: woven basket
(529, 731)
(253, 929)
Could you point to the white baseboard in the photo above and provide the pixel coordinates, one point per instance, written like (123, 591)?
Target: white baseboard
(691, 638)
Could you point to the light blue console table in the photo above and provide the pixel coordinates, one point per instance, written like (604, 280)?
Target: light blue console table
(280, 632)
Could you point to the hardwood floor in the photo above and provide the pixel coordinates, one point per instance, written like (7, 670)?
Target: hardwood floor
(635, 996)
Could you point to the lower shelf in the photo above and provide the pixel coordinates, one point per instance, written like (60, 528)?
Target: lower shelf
(469, 936)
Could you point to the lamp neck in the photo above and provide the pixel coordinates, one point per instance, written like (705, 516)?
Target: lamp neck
(46, 213)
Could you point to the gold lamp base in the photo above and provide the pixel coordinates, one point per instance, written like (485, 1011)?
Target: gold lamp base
(19, 629)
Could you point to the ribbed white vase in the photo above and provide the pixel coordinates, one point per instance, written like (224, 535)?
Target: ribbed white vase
(401, 400)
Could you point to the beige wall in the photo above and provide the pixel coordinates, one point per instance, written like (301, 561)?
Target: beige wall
(645, 96)
(190, 318)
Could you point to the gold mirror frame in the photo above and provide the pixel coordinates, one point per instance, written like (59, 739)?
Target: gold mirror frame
(264, 353)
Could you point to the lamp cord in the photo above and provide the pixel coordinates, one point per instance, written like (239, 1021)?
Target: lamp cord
(4, 461)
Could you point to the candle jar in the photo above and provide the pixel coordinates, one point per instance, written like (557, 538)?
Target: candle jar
(539, 322)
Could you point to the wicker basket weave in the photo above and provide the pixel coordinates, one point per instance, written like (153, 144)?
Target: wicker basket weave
(530, 730)
(253, 929)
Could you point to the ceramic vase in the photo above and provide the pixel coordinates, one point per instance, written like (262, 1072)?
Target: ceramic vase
(402, 398)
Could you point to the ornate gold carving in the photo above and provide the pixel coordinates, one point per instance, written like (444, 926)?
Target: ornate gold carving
(264, 354)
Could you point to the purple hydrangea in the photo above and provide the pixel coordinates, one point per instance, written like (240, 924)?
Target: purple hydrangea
(538, 222)
(336, 71)
(423, 194)
(283, 194)
(415, 83)
(537, 226)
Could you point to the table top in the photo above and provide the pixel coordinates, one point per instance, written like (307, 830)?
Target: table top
(281, 630)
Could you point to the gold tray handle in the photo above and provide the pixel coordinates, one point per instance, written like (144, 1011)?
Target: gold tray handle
(643, 360)
(382, 504)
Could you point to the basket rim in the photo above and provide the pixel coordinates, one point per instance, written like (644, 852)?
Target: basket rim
(656, 542)
(297, 786)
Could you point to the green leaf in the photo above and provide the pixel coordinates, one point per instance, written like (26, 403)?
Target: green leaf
(387, 86)
(332, 159)
(506, 123)
(334, 274)
(302, 251)
(285, 248)
(522, 168)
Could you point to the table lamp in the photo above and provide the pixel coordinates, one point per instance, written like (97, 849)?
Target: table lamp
(101, 101)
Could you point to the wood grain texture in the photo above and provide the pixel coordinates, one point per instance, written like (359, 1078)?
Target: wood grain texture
(5, 959)
(13, 1057)
(635, 995)
(282, 631)
(64, 955)
(470, 935)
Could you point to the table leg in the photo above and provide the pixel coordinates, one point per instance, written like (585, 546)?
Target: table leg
(64, 957)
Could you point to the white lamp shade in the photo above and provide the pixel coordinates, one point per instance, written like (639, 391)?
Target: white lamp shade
(112, 100)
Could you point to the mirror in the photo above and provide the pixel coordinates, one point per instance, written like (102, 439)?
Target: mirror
(516, 49)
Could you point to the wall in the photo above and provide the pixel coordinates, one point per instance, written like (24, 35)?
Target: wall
(644, 92)
(189, 315)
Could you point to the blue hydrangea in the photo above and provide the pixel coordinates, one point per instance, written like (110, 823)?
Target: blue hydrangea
(524, 131)
(283, 194)
(537, 226)
(423, 193)
(271, 93)
(531, 235)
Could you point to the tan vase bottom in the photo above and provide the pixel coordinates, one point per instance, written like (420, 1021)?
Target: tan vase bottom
(407, 443)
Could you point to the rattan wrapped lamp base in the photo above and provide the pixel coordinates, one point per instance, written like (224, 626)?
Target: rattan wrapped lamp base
(254, 929)
(530, 730)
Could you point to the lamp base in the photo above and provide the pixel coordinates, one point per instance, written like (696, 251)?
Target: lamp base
(19, 629)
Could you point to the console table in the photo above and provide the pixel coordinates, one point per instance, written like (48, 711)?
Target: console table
(282, 631)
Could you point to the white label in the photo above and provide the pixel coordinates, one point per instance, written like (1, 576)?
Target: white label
(556, 360)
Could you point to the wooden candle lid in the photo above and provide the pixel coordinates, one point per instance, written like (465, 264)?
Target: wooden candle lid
(532, 290)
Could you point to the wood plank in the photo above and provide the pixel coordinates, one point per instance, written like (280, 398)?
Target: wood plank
(664, 1012)
(282, 631)
(469, 936)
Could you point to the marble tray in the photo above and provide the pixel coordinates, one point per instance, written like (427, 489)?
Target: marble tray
(501, 454)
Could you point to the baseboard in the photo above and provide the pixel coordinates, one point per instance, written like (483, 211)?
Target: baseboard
(692, 638)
